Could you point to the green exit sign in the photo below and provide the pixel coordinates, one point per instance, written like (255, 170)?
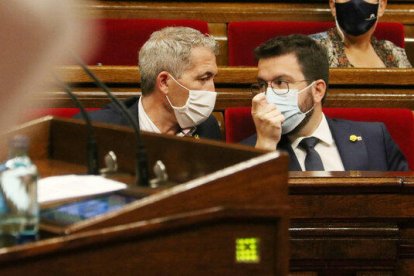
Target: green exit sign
(247, 250)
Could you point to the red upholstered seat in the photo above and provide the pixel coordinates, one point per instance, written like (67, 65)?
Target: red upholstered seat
(238, 124)
(244, 36)
(121, 39)
(399, 122)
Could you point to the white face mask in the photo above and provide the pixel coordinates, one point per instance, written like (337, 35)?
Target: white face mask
(197, 109)
(287, 104)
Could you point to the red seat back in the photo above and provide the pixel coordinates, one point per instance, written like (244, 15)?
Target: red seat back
(399, 122)
(121, 39)
(244, 37)
(238, 124)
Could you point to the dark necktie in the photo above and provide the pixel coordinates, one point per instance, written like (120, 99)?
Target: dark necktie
(313, 161)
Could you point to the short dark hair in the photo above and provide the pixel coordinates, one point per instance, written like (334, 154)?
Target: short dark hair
(311, 56)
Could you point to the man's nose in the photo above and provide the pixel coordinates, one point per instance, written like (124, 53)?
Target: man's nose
(210, 86)
(269, 84)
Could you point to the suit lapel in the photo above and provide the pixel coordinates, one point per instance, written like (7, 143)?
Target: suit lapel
(293, 161)
(353, 153)
(133, 108)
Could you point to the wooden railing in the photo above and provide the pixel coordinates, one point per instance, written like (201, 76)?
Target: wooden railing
(347, 87)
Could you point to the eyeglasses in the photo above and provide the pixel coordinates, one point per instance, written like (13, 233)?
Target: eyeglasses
(367, 1)
(279, 87)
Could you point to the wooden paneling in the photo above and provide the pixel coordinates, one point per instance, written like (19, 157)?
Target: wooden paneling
(343, 223)
(347, 88)
(215, 12)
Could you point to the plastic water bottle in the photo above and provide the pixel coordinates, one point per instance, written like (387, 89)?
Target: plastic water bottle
(19, 209)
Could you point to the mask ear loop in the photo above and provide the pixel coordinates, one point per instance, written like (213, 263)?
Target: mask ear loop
(178, 82)
(376, 16)
(307, 87)
(311, 84)
(340, 32)
(186, 103)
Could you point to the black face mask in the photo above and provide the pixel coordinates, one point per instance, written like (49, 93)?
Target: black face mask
(356, 17)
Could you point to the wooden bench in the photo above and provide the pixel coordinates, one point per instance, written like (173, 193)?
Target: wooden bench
(218, 14)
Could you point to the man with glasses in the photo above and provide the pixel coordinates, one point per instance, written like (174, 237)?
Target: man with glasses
(293, 74)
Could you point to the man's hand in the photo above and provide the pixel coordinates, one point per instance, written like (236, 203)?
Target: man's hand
(268, 121)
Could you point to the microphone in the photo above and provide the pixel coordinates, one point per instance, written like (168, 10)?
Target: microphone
(91, 145)
(141, 153)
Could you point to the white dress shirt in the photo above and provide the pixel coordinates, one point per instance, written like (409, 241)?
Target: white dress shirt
(326, 148)
(145, 123)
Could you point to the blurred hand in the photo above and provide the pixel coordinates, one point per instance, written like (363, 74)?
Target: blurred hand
(268, 121)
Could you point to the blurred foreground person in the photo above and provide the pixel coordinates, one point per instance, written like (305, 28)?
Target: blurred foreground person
(35, 36)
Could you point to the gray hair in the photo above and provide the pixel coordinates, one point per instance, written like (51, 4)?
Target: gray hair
(169, 50)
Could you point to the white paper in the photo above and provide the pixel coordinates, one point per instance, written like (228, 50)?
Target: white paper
(70, 186)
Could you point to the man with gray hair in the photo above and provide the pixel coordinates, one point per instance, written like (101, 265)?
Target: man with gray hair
(177, 67)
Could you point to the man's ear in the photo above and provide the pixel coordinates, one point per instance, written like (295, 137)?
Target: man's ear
(381, 8)
(162, 82)
(319, 90)
(332, 6)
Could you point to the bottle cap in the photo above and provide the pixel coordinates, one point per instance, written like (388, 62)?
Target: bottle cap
(19, 141)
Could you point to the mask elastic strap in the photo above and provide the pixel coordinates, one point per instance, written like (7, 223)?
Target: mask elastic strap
(178, 82)
(168, 99)
(304, 90)
(312, 83)
(340, 32)
(309, 110)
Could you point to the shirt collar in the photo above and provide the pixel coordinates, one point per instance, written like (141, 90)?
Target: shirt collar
(146, 124)
(322, 132)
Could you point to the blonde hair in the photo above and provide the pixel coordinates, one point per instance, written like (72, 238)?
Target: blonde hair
(169, 50)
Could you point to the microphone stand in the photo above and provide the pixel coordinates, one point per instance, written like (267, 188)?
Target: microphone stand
(91, 146)
(141, 153)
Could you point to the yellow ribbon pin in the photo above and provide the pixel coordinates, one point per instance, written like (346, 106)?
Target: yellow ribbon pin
(353, 138)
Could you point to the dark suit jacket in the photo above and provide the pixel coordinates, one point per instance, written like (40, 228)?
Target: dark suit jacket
(375, 152)
(110, 114)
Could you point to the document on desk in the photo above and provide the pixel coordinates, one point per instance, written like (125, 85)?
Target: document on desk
(70, 186)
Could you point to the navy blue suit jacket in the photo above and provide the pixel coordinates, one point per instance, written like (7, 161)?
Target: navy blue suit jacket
(375, 152)
(110, 114)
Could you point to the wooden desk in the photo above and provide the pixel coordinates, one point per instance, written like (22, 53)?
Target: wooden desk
(227, 217)
(343, 222)
(348, 222)
(358, 223)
